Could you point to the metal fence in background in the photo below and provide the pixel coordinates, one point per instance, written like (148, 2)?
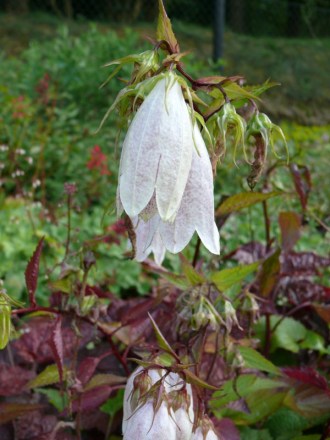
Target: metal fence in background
(274, 18)
(301, 18)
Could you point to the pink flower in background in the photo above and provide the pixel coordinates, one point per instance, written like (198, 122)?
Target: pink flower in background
(98, 161)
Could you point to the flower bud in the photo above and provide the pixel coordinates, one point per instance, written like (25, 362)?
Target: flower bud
(147, 424)
(205, 430)
(157, 412)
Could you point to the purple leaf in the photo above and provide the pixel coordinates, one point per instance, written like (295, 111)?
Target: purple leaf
(226, 429)
(307, 376)
(87, 368)
(302, 182)
(303, 263)
(32, 272)
(56, 345)
(13, 379)
(91, 399)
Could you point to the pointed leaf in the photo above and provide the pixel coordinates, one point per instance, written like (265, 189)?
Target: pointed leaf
(104, 379)
(5, 322)
(227, 278)
(161, 339)
(244, 200)
(290, 224)
(32, 272)
(253, 359)
(164, 29)
(55, 397)
(302, 182)
(56, 345)
(270, 270)
(48, 376)
(195, 380)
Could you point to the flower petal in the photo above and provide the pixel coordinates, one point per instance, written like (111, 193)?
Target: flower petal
(141, 152)
(197, 207)
(176, 153)
(145, 233)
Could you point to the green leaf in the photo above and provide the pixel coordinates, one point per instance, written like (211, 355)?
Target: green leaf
(114, 404)
(104, 379)
(314, 341)
(55, 397)
(191, 274)
(164, 28)
(257, 90)
(270, 270)
(5, 322)
(244, 200)
(195, 380)
(289, 334)
(286, 423)
(262, 404)
(241, 387)
(255, 434)
(253, 359)
(227, 278)
(48, 376)
(161, 339)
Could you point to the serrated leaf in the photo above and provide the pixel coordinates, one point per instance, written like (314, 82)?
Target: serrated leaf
(227, 278)
(56, 345)
(244, 200)
(302, 182)
(257, 90)
(32, 272)
(161, 339)
(253, 359)
(48, 376)
(164, 28)
(104, 379)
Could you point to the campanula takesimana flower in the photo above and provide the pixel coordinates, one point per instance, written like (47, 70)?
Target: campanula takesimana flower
(172, 420)
(196, 213)
(157, 152)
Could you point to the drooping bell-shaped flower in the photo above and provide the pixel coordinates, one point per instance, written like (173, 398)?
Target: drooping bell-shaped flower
(196, 213)
(157, 152)
(145, 419)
